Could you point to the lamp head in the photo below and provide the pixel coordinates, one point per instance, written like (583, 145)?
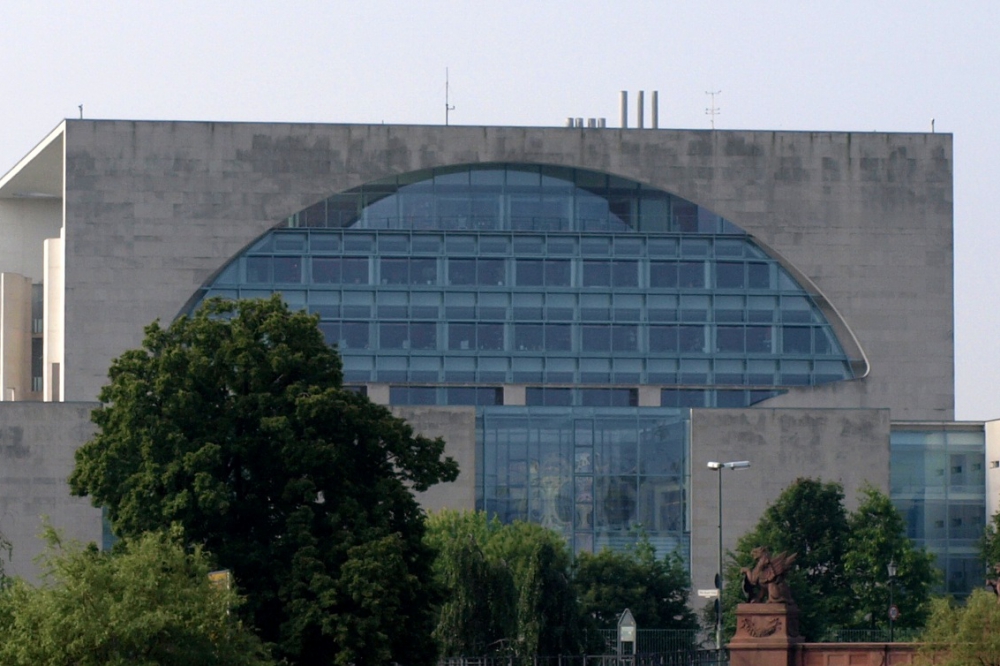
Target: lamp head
(715, 465)
(892, 568)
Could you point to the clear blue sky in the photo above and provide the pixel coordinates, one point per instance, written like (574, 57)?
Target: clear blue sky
(780, 64)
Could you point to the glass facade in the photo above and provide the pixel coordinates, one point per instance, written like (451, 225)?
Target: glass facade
(582, 288)
(595, 475)
(938, 483)
(615, 284)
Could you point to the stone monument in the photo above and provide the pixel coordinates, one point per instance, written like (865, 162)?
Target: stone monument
(767, 626)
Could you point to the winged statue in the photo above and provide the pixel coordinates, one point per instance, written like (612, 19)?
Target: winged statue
(765, 581)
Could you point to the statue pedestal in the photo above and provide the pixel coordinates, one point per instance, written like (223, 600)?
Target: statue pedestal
(765, 635)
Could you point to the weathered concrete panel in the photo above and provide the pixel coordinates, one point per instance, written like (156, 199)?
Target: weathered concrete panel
(37, 442)
(457, 426)
(850, 446)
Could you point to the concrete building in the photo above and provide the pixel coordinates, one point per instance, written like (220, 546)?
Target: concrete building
(588, 315)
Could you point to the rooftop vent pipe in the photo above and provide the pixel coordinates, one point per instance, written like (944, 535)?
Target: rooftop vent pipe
(624, 109)
(639, 109)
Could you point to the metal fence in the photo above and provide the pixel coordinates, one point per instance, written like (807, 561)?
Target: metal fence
(679, 658)
(654, 641)
(875, 635)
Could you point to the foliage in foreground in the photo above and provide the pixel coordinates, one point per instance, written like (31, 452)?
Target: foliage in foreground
(840, 577)
(655, 590)
(149, 603)
(512, 588)
(508, 587)
(963, 636)
(232, 424)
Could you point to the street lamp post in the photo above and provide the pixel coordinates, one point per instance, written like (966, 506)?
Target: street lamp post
(892, 606)
(718, 467)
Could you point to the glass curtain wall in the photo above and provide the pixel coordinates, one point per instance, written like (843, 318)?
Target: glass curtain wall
(938, 483)
(598, 476)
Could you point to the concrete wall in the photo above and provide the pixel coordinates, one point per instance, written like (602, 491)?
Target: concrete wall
(153, 209)
(15, 337)
(37, 442)
(992, 469)
(457, 426)
(850, 446)
(24, 225)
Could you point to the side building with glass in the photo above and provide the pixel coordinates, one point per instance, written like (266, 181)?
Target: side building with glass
(587, 315)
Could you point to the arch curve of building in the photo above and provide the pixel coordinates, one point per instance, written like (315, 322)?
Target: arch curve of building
(486, 275)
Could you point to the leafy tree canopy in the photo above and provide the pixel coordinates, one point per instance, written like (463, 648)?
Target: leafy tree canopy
(509, 587)
(654, 590)
(150, 603)
(233, 425)
(840, 577)
(877, 537)
(963, 636)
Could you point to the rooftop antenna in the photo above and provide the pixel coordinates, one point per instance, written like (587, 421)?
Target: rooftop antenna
(81, 110)
(447, 108)
(713, 110)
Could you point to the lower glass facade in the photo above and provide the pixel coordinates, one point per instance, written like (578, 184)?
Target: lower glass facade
(938, 483)
(598, 476)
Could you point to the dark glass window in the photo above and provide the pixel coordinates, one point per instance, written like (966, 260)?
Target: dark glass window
(691, 274)
(557, 273)
(796, 339)
(489, 336)
(625, 273)
(596, 338)
(663, 338)
(758, 339)
(474, 395)
(759, 276)
(423, 336)
(355, 270)
(530, 273)
(730, 339)
(394, 336)
(663, 274)
(462, 271)
(596, 274)
(413, 395)
(395, 271)
(258, 270)
(691, 338)
(288, 270)
(354, 335)
(558, 337)
(538, 396)
(624, 338)
(528, 337)
(729, 275)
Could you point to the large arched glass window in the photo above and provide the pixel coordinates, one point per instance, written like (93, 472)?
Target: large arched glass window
(580, 285)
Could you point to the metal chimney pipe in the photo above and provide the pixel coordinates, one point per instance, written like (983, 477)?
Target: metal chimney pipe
(656, 109)
(569, 121)
(639, 109)
(624, 109)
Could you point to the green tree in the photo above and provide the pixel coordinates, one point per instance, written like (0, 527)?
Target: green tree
(963, 636)
(480, 610)
(808, 519)
(509, 587)
(655, 590)
(233, 425)
(989, 545)
(877, 537)
(149, 603)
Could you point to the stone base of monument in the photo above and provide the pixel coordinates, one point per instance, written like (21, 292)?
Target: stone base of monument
(765, 635)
